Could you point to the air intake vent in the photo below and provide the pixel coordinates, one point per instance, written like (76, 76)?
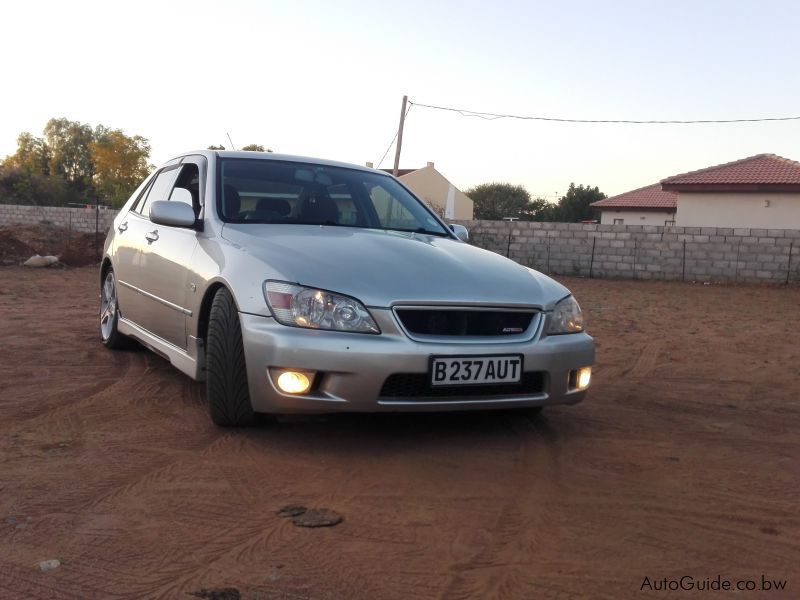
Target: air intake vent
(464, 322)
(417, 385)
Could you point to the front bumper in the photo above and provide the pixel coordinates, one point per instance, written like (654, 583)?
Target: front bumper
(352, 368)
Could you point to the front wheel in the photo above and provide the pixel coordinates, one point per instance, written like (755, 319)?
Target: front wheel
(226, 372)
(109, 314)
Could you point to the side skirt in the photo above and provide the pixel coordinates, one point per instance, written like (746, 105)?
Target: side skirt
(191, 363)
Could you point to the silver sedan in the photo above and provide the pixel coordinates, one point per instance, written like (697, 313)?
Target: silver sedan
(296, 285)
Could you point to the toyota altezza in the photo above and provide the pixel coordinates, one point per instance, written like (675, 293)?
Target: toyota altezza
(296, 285)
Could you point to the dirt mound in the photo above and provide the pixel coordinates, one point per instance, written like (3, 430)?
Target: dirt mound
(19, 243)
(12, 250)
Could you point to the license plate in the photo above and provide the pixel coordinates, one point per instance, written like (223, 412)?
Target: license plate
(465, 370)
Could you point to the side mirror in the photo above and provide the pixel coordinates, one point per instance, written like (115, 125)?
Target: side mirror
(461, 232)
(173, 213)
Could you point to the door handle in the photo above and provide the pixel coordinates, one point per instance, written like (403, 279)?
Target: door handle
(151, 236)
(123, 227)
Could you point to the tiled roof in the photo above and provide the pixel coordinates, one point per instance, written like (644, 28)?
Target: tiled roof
(761, 169)
(651, 196)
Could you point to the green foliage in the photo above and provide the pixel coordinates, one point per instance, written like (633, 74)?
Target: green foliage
(254, 147)
(496, 201)
(21, 186)
(68, 145)
(32, 155)
(120, 163)
(71, 162)
(216, 148)
(574, 206)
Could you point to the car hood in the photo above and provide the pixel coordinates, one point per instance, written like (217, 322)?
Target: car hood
(383, 267)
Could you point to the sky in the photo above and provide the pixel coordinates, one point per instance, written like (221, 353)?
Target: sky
(326, 79)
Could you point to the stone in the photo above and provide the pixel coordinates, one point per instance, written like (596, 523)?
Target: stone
(49, 565)
(318, 517)
(292, 510)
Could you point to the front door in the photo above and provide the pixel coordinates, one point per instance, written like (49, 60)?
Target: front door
(166, 255)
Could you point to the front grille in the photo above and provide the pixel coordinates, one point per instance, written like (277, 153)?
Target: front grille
(464, 322)
(417, 385)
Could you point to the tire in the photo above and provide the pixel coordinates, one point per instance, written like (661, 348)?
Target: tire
(109, 315)
(227, 393)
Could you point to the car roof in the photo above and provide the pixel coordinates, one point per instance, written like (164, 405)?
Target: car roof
(274, 156)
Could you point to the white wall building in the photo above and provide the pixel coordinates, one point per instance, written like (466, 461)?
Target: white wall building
(761, 191)
(646, 206)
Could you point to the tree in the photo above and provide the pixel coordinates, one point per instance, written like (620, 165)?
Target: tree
(120, 163)
(249, 147)
(32, 155)
(548, 212)
(574, 206)
(20, 186)
(69, 155)
(496, 201)
(72, 162)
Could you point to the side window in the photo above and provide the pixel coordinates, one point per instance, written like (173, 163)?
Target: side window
(137, 205)
(160, 190)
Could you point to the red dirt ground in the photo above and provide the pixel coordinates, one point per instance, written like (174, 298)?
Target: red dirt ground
(684, 460)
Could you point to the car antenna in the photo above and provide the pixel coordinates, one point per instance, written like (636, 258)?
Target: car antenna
(230, 140)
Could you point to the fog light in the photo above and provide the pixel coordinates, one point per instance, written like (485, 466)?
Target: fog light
(294, 382)
(583, 378)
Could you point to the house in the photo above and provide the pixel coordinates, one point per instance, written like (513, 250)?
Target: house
(761, 191)
(435, 189)
(649, 205)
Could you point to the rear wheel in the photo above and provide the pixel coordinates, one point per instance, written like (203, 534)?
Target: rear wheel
(109, 314)
(226, 372)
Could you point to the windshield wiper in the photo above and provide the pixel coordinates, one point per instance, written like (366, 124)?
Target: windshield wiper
(418, 230)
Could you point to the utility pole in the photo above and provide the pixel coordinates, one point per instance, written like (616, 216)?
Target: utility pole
(399, 137)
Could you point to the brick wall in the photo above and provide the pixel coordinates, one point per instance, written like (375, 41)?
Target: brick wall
(79, 219)
(645, 252)
(624, 251)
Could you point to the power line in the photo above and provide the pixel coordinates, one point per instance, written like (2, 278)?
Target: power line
(380, 162)
(494, 116)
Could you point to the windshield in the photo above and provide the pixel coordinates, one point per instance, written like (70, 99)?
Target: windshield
(294, 193)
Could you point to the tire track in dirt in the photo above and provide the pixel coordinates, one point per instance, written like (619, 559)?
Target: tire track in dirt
(655, 470)
(645, 362)
(493, 569)
(69, 402)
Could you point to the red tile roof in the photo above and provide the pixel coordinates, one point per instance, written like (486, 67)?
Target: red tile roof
(650, 197)
(759, 170)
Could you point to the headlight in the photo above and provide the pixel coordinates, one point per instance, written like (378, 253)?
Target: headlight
(566, 318)
(311, 308)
